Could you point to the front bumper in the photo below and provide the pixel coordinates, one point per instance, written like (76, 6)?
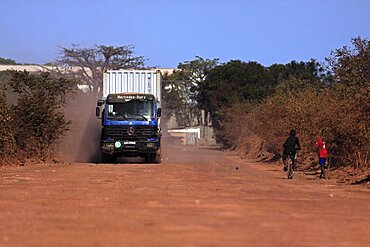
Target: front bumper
(129, 147)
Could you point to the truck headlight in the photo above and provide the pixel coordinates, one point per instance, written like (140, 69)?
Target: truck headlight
(150, 145)
(108, 145)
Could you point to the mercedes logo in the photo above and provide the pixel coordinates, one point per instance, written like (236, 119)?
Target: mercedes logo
(130, 131)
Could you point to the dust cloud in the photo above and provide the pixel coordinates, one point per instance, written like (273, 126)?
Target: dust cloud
(81, 142)
(175, 152)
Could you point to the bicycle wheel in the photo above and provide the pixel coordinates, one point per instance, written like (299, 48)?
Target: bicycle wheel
(290, 169)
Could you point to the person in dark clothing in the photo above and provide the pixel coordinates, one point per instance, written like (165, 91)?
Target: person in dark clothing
(291, 145)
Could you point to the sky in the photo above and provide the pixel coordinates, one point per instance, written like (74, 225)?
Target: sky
(168, 32)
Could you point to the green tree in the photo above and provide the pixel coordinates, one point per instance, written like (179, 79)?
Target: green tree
(232, 82)
(181, 89)
(7, 61)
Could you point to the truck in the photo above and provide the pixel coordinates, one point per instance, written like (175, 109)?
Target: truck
(130, 112)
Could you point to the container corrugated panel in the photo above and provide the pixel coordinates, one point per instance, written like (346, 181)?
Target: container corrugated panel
(132, 81)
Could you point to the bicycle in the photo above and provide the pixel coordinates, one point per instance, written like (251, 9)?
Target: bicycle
(291, 165)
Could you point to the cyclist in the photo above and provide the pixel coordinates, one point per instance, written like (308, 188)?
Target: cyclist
(291, 145)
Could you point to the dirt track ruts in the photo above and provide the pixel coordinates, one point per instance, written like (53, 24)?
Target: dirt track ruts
(196, 197)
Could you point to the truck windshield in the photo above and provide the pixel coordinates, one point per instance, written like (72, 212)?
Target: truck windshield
(134, 110)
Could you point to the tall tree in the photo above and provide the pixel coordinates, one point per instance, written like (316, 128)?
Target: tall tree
(88, 64)
(232, 82)
(350, 67)
(351, 72)
(193, 74)
(181, 89)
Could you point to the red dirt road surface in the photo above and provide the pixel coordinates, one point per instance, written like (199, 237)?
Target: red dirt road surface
(196, 197)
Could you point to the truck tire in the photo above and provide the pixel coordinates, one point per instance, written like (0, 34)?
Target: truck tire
(158, 158)
(150, 158)
(153, 157)
(107, 158)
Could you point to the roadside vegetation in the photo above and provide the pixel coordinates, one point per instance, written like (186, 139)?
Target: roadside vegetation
(31, 117)
(254, 107)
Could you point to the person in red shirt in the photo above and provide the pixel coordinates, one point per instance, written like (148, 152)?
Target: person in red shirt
(323, 155)
(319, 142)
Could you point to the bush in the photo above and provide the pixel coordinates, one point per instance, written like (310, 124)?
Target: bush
(7, 142)
(341, 121)
(32, 124)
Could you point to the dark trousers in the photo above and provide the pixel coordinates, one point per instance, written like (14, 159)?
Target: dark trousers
(291, 157)
(322, 162)
(322, 175)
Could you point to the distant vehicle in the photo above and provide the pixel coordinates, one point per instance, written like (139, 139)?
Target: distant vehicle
(130, 111)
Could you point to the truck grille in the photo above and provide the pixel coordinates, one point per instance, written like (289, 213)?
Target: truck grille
(129, 132)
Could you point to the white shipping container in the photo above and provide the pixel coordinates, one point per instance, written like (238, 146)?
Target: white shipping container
(132, 81)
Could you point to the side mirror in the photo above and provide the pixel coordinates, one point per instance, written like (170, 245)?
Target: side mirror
(100, 102)
(97, 111)
(159, 112)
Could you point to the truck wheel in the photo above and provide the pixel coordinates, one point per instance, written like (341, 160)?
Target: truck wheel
(157, 158)
(104, 158)
(107, 158)
(153, 157)
(150, 158)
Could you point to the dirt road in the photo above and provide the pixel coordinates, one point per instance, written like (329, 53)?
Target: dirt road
(196, 197)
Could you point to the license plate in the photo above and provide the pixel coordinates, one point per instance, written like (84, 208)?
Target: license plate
(129, 143)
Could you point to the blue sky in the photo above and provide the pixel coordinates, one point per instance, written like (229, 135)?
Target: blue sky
(168, 32)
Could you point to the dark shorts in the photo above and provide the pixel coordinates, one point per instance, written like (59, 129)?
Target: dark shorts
(286, 155)
(322, 161)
